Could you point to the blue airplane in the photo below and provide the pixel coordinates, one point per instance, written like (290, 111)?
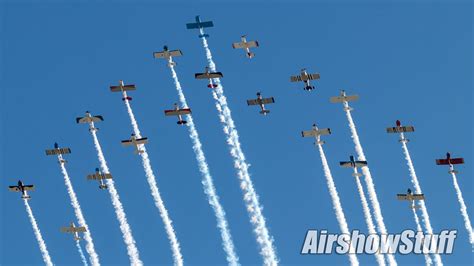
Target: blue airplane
(200, 25)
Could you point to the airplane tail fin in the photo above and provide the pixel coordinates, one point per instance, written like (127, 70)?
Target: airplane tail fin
(356, 174)
(404, 140)
(182, 122)
(27, 197)
(321, 142)
(348, 108)
(452, 171)
(265, 112)
(204, 35)
(309, 88)
(212, 86)
(103, 187)
(250, 55)
(172, 63)
(128, 98)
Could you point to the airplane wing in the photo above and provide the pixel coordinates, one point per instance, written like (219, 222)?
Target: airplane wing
(251, 44)
(268, 100)
(308, 133)
(252, 102)
(340, 99)
(97, 176)
(446, 161)
(400, 129)
(208, 75)
(127, 142)
(67, 229)
(29, 187)
(418, 196)
(159, 54)
(120, 88)
(313, 76)
(313, 133)
(86, 119)
(295, 78)
(442, 161)
(402, 197)
(141, 141)
(346, 164)
(205, 24)
(238, 45)
(58, 151)
(176, 53)
(14, 188)
(360, 163)
(184, 111)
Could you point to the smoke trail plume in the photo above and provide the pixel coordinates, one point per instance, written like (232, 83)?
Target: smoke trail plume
(83, 258)
(177, 256)
(121, 217)
(416, 184)
(207, 180)
(39, 237)
(265, 241)
(467, 221)
(336, 202)
(368, 180)
(419, 229)
(94, 258)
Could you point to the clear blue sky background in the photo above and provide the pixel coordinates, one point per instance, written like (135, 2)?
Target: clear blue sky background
(407, 61)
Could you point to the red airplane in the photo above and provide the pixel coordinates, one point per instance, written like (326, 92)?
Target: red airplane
(450, 161)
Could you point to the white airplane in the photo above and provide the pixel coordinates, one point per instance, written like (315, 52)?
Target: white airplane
(411, 197)
(98, 175)
(305, 77)
(352, 163)
(261, 102)
(89, 119)
(23, 189)
(209, 75)
(179, 113)
(136, 142)
(74, 230)
(316, 133)
(168, 55)
(343, 98)
(58, 151)
(401, 129)
(245, 45)
(123, 88)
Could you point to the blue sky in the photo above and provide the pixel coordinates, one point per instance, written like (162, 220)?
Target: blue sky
(407, 61)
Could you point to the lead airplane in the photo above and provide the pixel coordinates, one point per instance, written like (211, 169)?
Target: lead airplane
(343, 98)
(123, 88)
(200, 25)
(209, 75)
(451, 162)
(410, 196)
(401, 129)
(89, 119)
(179, 113)
(98, 175)
(261, 102)
(136, 142)
(305, 77)
(74, 230)
(58, 151)
(246, 45)
(168, 55)
(23, 189)
(352, 163)
(316, 133)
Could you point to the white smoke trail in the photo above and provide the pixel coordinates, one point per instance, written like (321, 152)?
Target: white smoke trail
(121, 217)
(416, 184)
(39, 237)
(94, 258)
(177, 256)
(463, 209)
(419, 229)
(207, 180)
(368, 180)
(368, 218)
(265, 241)
(83, 258)
(336, 202)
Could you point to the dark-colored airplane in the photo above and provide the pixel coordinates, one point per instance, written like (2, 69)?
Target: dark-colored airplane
(352, 163)
(450, 161)
(23, 189)
(200, 25)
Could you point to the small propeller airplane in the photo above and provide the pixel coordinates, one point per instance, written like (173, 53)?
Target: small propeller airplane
(136, 142)
(451, 162)
(123, 88)
(179, 113)
(23, 189)
(261, 102)
(343, 98)
(244, 44)
(305, 77)
(401, 129)
(89, 119)
(74, 230)
(209, 75)
(352, 163)
(58, 151)
(168, 55)
(200, 25)
(411, 197)
(316, 133)
(98, 175)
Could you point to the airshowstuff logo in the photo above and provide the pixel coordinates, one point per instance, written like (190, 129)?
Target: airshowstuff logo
(405, 242)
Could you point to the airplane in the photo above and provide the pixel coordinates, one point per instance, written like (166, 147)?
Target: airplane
(305, 77)
(261, 101)
(58, 151)
(316, 133)
(123, 88)
(343, 98)
(352, 163)
(74, 230)
(178, 112)
(209, 75)
(245, 45)
(411, 197)
(98, 175)
(450, 161)
(135, 141)
(23, 189)
(401, 129)
(200, 25)
(90, 120)
(167, 54)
